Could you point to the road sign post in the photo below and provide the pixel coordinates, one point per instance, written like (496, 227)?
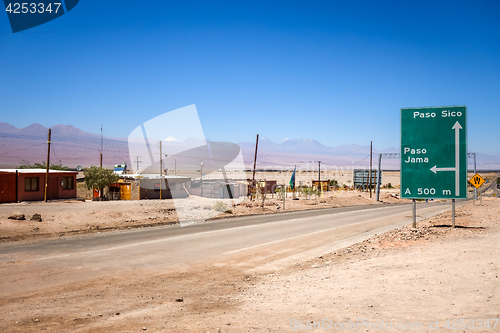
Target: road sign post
(475, 171)
(414, 220)
(434, 153)
(453, 212)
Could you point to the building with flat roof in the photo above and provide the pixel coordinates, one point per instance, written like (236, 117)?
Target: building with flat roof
(29, 185)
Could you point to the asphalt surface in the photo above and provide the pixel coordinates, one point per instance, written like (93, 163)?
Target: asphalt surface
(258, 241)
(205, 238)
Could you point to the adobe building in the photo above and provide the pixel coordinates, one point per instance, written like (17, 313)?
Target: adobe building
(29, 185)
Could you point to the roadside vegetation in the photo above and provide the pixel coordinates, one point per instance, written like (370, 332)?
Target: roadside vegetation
(99, 178)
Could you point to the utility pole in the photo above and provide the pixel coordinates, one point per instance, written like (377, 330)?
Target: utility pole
(175, 167)
(137, 161)
(48, 164)
(370, 175)
(254, 164)
(201, 179)
(319, 175)
(379, 175)
(161, 171)
(100, 155)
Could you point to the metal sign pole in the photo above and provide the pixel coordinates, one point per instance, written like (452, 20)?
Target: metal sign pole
(414, 224)
(453, 212)
(378, 175)
(475, 172)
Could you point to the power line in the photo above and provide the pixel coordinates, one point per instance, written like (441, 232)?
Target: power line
(12, 151)
(54, 152)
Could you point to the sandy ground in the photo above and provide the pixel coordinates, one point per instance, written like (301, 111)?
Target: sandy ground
(404, 277)
(62, 218)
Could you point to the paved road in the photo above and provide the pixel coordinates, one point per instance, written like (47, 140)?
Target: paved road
(173, 244)
(28, 268)
(492, 185)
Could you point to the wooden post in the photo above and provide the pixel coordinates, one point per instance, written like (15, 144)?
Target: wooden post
(137, 162)
(284, 195)
(48, 164)
(319, 172)
(254, 187)
(100, 154)
(161, 171)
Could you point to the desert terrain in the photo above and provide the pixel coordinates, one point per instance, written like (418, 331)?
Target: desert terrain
(432, 278)
(431, 275)
(68, 217)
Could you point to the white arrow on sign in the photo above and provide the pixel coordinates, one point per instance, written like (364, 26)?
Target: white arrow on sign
(457, 127)
(436, 169)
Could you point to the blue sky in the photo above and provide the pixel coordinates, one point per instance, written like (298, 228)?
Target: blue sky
(334, 71)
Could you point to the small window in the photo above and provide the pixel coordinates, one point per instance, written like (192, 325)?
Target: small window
(68, 183)
(31, 184)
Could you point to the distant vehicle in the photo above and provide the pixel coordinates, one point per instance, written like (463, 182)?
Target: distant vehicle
(120, 169)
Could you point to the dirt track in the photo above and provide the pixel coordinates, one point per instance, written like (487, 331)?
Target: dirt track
(433, 273)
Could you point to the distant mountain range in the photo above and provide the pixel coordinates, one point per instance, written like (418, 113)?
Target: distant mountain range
(311, 146)
(72, 146)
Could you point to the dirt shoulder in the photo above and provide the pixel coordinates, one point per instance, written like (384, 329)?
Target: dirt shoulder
(65, 218)
(429, 274)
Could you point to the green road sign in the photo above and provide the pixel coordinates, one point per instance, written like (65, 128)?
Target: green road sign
(434, 153)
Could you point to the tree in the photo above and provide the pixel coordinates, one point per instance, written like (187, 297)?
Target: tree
(308, 192)
(43, 165)
(99, 178)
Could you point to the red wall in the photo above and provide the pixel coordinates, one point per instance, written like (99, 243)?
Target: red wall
(55, 190)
